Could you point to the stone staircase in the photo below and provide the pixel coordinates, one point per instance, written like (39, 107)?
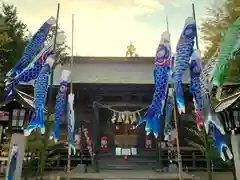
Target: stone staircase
(143, 160)
(130, 164)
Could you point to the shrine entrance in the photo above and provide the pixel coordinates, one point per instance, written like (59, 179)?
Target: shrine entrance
(118, 134)
(125, 138)
(121, 145)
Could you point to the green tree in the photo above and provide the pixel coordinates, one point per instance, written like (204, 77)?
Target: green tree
(205, 144)
(61, 49)
(17, 31)
(13, 39)
(34, 148)
(4, 41)
(4, 37)
(213, 28)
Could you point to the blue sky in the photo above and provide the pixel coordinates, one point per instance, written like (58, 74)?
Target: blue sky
(105, 27)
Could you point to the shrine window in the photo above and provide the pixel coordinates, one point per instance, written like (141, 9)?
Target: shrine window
(18, 117)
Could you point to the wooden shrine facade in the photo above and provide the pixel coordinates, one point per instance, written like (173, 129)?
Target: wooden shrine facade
(122, 84)
(117, 83)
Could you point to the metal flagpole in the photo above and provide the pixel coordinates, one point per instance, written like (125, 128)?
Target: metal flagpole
(175, 119)
(71, 91)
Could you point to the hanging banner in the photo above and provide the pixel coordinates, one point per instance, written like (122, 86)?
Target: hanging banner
(1, 132)
(15, 157)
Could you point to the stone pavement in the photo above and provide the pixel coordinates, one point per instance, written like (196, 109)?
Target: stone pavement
(127, 175)
(199, 176)
(216, 175)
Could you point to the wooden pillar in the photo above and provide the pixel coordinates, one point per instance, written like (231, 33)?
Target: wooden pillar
(160, 138)
(10, 122)
(234, 116)
(235, 140)
(194, 160)
(96, 137)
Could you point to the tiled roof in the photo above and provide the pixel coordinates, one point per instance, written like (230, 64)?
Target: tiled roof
(112, 60)
(110, 70)
(120, 70)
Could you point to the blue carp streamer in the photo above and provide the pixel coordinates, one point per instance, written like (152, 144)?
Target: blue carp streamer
(222, 147)
(60, 104)
(161, 74)
(30, 73)
(33, 47)
(183, 52)
(168, 115)
(70, 124)
(40, 94)
(12, 163)
(205, 115)
(195, 72)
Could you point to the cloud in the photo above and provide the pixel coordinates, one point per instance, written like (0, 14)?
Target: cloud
(106, 27)
(179, 4)
(176, 4)
(102, 27)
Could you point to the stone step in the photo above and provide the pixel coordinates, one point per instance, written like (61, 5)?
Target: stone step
(121, 174)
(131, 163)
(142, 153)
(129, 160)
(129, 166)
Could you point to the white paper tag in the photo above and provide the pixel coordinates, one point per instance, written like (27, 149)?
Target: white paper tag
(118, 151)
(126, 152)
(134, 151)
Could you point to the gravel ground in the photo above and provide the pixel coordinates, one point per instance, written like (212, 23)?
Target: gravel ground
(216, 175)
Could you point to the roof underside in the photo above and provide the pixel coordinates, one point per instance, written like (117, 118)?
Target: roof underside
(22, 98)
(227, 102)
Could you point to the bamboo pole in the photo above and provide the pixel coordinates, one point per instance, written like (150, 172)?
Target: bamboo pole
(175, 121)
(71, 84)
(167, 23)
(180, 172)
(71, 90)
(49, 105)
(194, 16)
(206, 142)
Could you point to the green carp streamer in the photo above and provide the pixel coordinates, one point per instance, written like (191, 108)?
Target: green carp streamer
(227, 51)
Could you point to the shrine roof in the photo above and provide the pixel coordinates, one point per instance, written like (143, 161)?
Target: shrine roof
(112, 70)
(110, 59)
